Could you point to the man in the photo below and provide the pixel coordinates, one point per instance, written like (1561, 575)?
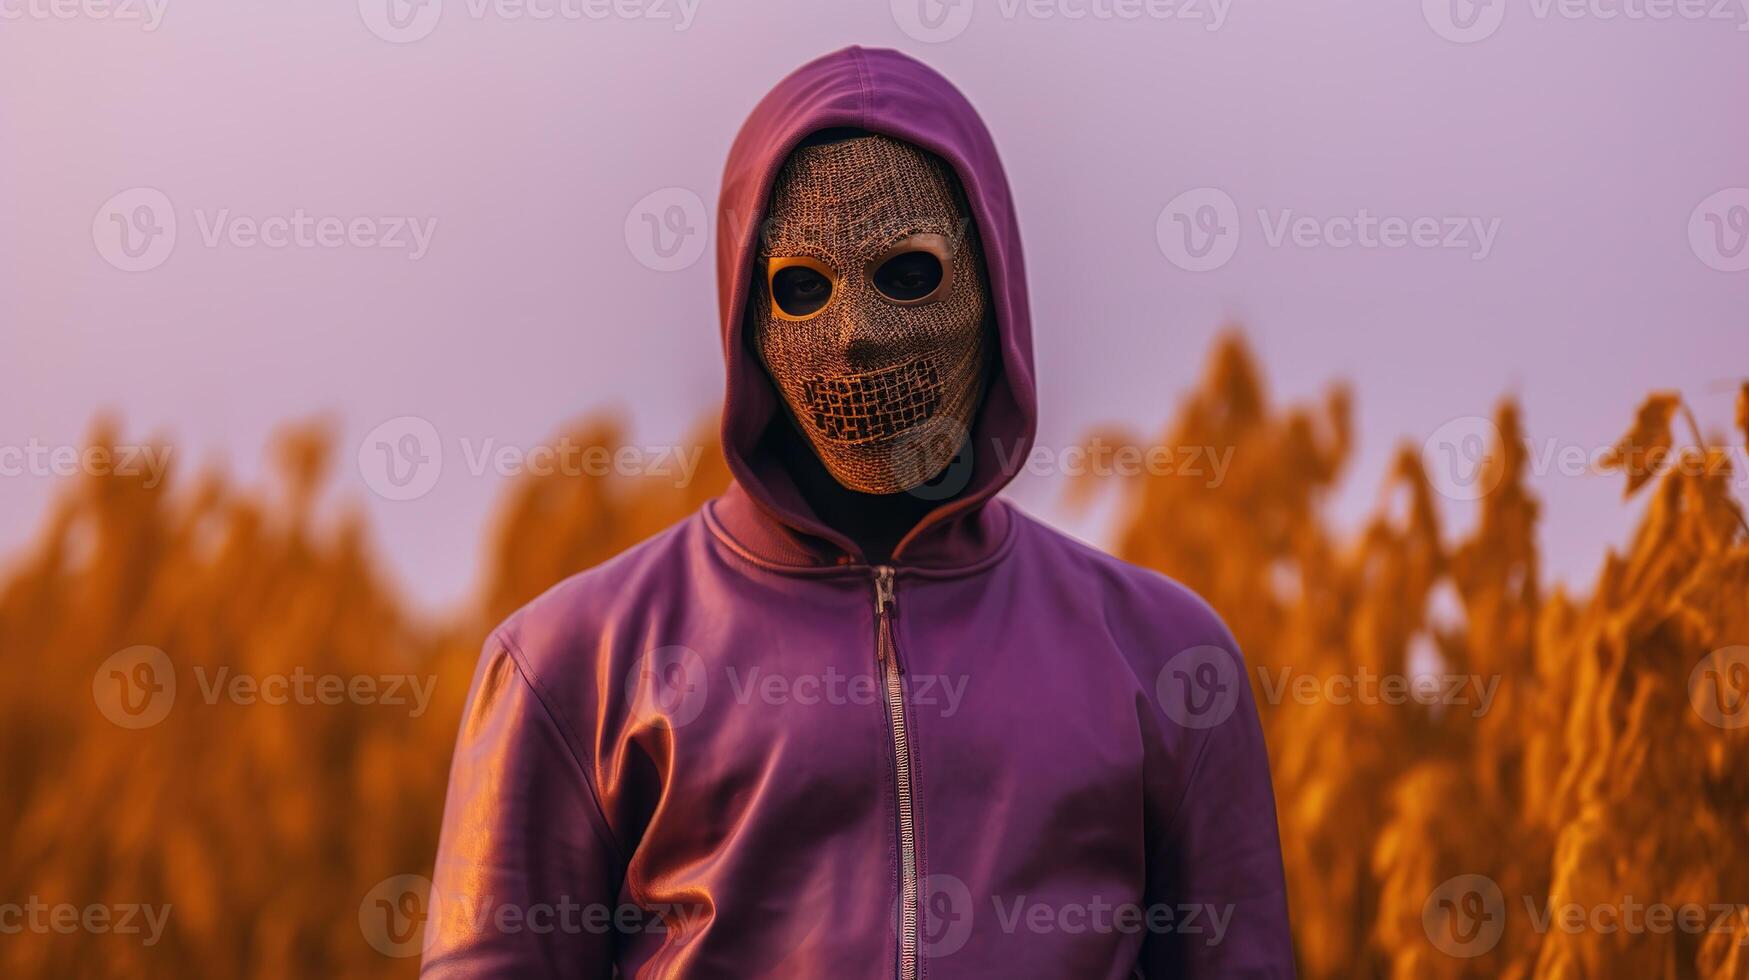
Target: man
(858, 717)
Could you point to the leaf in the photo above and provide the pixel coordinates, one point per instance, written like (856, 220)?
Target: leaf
(1743, 412)
(1647, 445)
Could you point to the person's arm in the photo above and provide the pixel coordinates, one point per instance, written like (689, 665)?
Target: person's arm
(1216, 891)
(527, 874)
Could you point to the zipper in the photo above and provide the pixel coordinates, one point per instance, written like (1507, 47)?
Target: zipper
(892, 671)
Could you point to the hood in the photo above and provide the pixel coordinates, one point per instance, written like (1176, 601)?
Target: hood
(885, 92)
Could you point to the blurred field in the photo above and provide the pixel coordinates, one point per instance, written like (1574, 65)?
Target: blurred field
(1597, 776)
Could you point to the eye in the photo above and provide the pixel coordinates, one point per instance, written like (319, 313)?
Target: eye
(799, 290)
(908, 276)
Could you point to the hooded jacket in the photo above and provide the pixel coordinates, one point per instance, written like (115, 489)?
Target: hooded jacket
(740, 750)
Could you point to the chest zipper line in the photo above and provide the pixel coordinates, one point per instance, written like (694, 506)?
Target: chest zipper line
(892, 672)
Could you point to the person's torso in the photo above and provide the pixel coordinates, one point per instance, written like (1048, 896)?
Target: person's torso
(797, 797)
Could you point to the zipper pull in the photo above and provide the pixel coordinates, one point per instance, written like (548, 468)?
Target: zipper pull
(886, 606)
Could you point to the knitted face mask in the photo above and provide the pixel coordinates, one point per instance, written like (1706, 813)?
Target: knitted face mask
(868, 309)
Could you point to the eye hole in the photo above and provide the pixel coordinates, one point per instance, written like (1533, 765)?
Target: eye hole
(908, 276)
(799, 290)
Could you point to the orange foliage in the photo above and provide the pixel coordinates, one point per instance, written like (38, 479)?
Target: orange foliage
(1591, 778)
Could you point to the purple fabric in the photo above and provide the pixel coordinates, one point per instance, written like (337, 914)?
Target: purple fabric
(680, 764)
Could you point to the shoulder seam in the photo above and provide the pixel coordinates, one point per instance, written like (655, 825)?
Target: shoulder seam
(567, 731)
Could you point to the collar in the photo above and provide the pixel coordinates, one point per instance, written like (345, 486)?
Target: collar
(952, 539)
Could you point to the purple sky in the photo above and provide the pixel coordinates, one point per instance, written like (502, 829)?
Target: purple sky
(1571, 150)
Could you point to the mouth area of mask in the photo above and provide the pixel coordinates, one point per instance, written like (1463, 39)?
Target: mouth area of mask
(851, 409)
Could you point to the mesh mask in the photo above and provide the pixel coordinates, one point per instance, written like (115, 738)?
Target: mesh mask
(868, 309)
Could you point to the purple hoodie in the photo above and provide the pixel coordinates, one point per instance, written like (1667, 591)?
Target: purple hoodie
(739, 750)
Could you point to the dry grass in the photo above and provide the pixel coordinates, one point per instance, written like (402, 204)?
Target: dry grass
(1590, 779)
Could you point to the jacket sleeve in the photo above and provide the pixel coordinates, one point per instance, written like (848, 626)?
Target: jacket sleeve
(1216, 894)
(527, 874)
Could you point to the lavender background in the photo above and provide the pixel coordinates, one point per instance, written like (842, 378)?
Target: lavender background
(536, 146)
